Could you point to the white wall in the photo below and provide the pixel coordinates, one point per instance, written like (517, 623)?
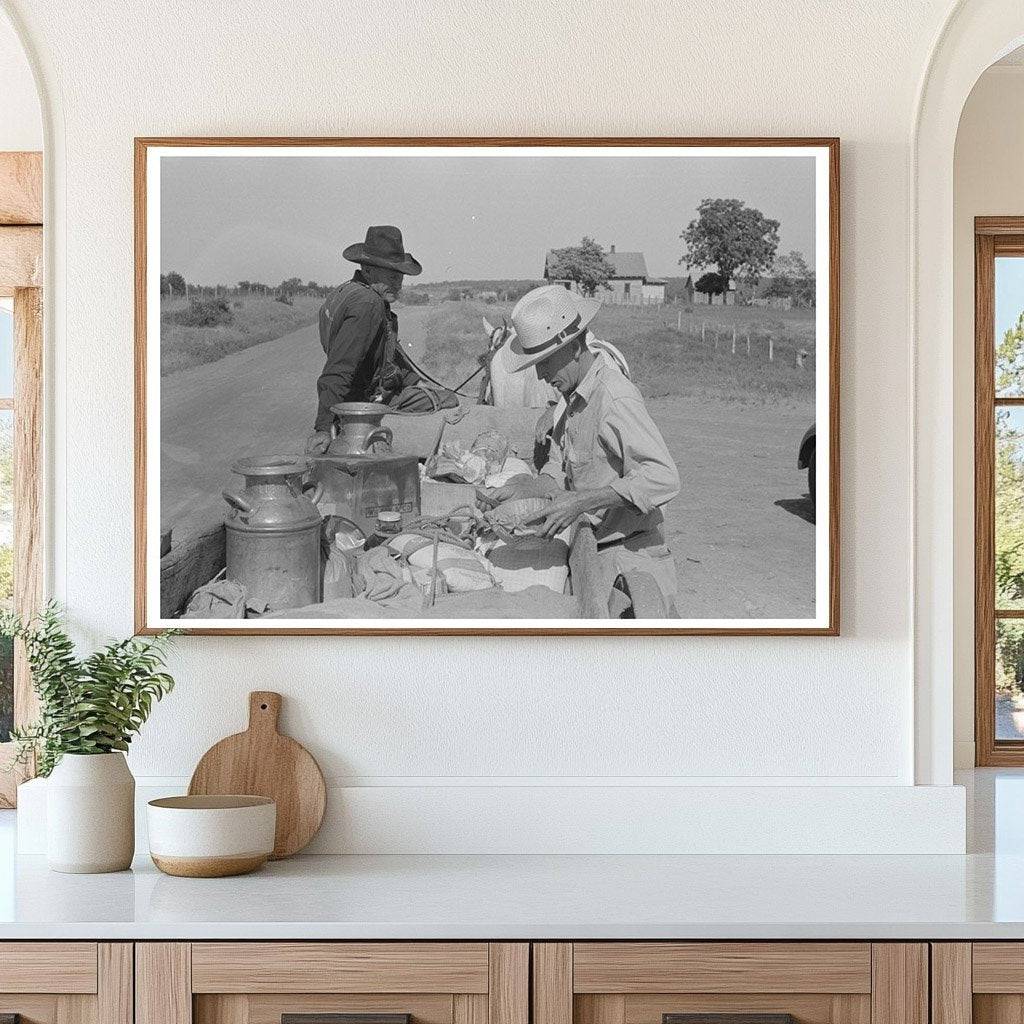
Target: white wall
(988, 181)
(440, 713)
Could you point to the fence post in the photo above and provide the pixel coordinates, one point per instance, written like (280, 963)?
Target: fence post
(679, 321)
(703, 332)
(771, 348)
(748, 344)
(734, 339)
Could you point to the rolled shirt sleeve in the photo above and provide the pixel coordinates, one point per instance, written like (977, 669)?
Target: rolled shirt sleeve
(649, 476)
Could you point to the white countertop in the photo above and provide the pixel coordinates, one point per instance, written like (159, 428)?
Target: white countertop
(978, 896)
(532, 897)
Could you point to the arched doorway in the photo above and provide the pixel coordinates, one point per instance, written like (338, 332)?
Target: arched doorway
(975, 35)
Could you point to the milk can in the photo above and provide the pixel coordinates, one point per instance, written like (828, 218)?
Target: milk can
(357, 428)
(273, 534)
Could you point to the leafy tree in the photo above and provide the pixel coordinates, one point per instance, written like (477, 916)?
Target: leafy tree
(711, 284)
(1009, 472)
(584, 263)
(1010, 656)
(792, 278)
(172, 282)
(291, 285)
(1010, 360)
(731, 236)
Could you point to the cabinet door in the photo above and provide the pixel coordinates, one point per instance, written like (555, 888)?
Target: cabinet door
(66, 982)
(737, 982)
(332, 983)
(980, 982)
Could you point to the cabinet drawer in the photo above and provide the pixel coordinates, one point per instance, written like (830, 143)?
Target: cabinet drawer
(66, 982)
(630, 967)
(340, 967)
(736, 982)
(262, 982)
(48, 967)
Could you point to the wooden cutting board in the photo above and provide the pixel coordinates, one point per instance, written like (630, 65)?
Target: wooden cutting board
(262, 762)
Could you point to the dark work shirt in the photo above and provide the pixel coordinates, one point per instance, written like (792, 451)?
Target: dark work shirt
(359, 335)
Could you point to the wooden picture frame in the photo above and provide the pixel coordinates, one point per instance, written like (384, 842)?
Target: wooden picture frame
(151, 617)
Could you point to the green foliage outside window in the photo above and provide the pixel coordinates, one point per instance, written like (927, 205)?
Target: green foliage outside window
(1009, 510)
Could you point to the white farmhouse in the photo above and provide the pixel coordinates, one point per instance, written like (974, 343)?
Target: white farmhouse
(628, 286)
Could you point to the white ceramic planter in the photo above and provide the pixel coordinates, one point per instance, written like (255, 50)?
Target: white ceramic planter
(90, 814)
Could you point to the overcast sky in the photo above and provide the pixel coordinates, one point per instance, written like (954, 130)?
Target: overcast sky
(227, 219)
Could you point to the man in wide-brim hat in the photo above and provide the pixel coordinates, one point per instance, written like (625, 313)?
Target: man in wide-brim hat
(614, 466)
(359, 331)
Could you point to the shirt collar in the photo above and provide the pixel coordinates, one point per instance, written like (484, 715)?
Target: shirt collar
(360, 279)
(585, 388)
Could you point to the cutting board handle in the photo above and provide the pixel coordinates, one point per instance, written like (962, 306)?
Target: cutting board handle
(264, 710)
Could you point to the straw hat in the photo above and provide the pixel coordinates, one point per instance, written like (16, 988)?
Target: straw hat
(547, 319)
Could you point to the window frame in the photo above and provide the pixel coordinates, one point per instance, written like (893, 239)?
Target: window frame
(993, 237)
(21, 260)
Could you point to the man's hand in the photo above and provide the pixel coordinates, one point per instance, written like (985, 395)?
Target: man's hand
(562, 512)
(525, 485)
(317, 442)
(566, 508)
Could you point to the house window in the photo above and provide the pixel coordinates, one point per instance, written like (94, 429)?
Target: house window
(999, 490)
(625, 288)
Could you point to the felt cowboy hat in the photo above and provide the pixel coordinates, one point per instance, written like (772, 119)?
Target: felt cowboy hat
(383, 248)
(547, 319)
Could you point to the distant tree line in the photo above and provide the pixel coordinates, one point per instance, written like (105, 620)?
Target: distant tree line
(173, 284)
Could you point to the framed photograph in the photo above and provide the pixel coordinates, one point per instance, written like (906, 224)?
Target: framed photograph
(487, 386)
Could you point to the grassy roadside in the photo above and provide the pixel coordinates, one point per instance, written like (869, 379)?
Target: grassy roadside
(672, 351)
(253, 321)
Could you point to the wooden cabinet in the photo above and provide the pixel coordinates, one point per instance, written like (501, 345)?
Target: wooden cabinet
(66, 982)
(979, 982)
(651, 982)
(260, 982)
(494, 983)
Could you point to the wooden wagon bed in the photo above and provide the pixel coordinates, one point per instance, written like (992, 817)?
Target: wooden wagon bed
(197, 543)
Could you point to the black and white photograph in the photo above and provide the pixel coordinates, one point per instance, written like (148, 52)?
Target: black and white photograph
(450, 386)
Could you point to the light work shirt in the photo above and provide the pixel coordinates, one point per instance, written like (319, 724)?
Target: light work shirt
(607, 439)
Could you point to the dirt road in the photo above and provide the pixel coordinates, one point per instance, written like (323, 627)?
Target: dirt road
(741, 529)
(254, 402)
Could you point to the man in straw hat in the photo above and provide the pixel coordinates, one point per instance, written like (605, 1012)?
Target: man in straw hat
(615, 467)
(359, 332)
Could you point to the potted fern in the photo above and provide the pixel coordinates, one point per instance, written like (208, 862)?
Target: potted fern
(89, 710)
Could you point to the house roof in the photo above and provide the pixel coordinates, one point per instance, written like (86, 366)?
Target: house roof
(627, 264)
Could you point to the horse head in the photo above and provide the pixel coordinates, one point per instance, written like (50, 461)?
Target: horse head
(497, 336)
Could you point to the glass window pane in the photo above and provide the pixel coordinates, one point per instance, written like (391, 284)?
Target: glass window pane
(1009, 326)
(1009, 679)
(1009, 513)
(6, 351)
(6, 567)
